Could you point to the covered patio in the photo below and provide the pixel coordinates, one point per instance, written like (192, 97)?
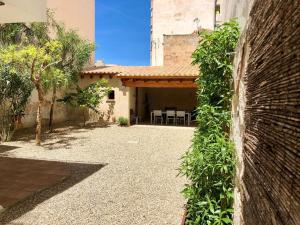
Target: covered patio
(164, 95)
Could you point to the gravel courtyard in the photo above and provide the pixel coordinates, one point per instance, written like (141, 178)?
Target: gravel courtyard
(136, 184)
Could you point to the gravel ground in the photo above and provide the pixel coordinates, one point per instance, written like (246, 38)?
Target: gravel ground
(128, 176)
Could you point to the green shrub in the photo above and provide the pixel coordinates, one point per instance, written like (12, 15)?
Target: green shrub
(89, 97)
(122, 121)
(210, 163)
(14, 95)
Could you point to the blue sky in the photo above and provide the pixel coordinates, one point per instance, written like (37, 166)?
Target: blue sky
(123, 31)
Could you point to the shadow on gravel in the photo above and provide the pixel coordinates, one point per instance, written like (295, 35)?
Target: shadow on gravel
(6, 148)
(59, 138)
(70, 175)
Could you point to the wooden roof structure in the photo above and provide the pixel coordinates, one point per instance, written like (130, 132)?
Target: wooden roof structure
(180, 76)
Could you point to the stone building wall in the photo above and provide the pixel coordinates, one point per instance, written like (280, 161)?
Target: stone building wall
(178, 49)
(266, 114)
(172, 17)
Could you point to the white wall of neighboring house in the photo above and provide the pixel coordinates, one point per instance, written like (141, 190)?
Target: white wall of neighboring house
(177, 17)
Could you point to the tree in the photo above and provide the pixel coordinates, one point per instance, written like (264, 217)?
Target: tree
(39, 63)
(88, 97)
(14, 95)
(75, 54)
(25, 34)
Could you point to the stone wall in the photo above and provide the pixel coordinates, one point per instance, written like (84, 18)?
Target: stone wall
(178, 49)
(172, 17)
(266, 124)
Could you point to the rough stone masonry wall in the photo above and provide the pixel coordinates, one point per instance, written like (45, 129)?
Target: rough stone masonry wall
(266, 115)
(178, 49)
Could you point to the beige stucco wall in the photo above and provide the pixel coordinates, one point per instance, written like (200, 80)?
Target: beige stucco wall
(29, 120)
(177, 17)
(76, 14)
(16, 11)
(111, 110)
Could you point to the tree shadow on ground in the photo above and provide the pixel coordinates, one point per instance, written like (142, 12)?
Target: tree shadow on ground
(61, 137)
(6, 148)
(78, 171)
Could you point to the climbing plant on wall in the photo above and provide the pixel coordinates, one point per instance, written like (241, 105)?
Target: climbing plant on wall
(210, 163)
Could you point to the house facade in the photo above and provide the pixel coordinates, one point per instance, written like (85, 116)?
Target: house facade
(169, 83)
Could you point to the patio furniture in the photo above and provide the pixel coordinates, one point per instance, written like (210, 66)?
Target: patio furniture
(180, 116)
(170, 115)
(157, 115)
(134, 118)
(188, 115)
(189, 118)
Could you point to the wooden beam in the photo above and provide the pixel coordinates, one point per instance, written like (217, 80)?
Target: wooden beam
(160, 83)
(156, 77)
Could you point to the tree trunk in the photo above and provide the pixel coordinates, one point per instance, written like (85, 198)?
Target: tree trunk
(52, 109)
(38, 131)
(84, 117)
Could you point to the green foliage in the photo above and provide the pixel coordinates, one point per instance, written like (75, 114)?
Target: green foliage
(122, 121)
(88, 97)
(75, 52)
(24, 34)
(210, 163)
(14, 95)
(35, 61)
(48, 53)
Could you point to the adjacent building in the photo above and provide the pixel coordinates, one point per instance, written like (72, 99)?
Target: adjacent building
(78, 15)
(17, 11)
(177, 17)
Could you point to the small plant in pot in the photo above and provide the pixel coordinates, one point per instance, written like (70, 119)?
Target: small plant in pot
(122, 121)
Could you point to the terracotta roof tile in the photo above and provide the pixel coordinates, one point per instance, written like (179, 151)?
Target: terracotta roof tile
(146, 71)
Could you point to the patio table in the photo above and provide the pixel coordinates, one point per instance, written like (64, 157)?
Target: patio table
(164, 113)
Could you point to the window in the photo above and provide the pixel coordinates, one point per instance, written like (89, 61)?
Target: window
(111, 95)
(218, 9)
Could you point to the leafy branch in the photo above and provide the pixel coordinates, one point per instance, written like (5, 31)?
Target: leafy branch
(210, 164)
